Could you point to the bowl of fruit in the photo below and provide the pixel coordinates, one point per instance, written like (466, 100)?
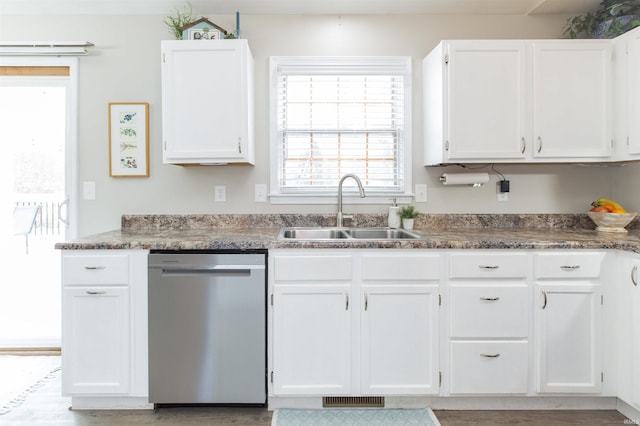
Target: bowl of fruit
(609, 216)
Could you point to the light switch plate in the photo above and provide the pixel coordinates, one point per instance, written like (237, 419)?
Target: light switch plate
(89, 190)
(421, 193)
(261, 193)
(220, 193)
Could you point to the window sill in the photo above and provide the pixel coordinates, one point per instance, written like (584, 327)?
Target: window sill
(346, 199)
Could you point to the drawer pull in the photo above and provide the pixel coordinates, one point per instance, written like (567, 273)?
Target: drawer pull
(490, 355)
(489, 299)
(94, 292)
(488, 266)
(569, 267)
(634, 274)
(94, 268)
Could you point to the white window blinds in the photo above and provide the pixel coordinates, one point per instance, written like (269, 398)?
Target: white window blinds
(341, 115)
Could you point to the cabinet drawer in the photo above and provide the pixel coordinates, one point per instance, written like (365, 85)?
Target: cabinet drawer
(488, 367)
(103, 269)
(489, 311)
(401, 268)
(313, 268)
(568, 265)
(488, 265)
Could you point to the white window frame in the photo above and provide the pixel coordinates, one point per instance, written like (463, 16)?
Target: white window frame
(330, 197)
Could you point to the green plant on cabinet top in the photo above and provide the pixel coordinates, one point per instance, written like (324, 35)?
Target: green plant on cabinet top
(611, 19)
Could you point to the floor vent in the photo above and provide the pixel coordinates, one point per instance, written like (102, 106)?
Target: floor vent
(352, 401)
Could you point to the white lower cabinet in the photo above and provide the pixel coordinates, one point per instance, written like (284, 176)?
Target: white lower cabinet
(355, 322)
(312, 330)
(568, 318)
(489, 307)
(104, 326)
(96, 345)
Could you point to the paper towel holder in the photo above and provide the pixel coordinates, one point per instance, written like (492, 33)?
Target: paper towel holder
(471, 179)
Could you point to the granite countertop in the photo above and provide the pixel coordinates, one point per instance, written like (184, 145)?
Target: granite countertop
(259, 232)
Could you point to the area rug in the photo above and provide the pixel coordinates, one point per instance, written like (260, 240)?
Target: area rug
(21, 376)
(353, 417)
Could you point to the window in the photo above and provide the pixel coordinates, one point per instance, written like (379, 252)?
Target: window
(333, 116)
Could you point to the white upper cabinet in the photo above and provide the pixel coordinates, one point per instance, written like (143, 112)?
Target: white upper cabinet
(476, 101)
(515, 101)
(207, 102)
(572, 99)
(627, 91)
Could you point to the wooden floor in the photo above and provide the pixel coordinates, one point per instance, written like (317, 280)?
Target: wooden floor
(527, 418)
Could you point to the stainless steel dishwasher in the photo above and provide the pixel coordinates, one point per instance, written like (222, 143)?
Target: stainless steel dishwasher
(207, 328)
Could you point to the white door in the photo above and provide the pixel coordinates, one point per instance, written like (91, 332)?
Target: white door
(569, 338)
(312, 335)
(37, 128)
(633, 90)
(572, 89)
(399, 352)
(487, 100)
(96, 329)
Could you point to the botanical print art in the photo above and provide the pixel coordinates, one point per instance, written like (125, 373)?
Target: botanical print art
(129, 139)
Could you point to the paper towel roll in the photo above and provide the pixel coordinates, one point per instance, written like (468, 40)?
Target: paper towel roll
(464, 178)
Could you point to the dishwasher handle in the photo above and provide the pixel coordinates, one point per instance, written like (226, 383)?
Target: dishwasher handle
(215, 271)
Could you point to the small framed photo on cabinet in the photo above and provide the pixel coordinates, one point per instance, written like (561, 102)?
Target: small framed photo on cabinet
(128, 139)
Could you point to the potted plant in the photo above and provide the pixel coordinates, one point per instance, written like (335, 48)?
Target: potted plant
(178, 19)
(613, 17)
(408, 214)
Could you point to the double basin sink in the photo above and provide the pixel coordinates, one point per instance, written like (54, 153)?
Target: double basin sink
(324, 234)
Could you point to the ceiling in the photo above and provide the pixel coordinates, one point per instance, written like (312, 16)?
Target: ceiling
(296, 7)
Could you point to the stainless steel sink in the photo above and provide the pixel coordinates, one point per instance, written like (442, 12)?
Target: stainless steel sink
(312, 234)
(322, 234)
(381, 234)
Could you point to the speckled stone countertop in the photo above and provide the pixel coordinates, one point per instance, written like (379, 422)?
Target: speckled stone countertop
(259, 232)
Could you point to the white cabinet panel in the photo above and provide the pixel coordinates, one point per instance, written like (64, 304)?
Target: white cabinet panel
(489, 311)
(399, 349)
(312, 332)
(383, 267)
(314, 268)
(489, 367)
(568, 338)
(98, 269)
(568, 265)
(207, 102)
(95, 353)
(488, 265)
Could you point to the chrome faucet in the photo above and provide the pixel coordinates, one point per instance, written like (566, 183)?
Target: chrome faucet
(340, 215)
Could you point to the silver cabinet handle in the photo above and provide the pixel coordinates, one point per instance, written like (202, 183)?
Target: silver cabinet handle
(634, 274)
(544, 303)
(488, 266)
(490, 299)
(366, 302)
(569, 267)
(346, 308)
(539, 144)
(94, 268)
(93, 292)
(524, 145)
(490, 355)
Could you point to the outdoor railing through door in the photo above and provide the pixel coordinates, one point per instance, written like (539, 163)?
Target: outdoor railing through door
(48, 220)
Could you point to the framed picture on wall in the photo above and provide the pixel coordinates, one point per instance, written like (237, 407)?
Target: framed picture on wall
(128, 139)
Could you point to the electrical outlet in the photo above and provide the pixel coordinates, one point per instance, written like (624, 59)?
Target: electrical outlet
(89, 190)
(503, 196)
(421, 193)
(261, 193)
(220, 193)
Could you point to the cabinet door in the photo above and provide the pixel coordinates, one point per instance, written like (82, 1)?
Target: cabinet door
(487, 111)
(633, 90)
(572, 99)
(633, 285)
(205, 92)
(399, 340)
(568, 338)
(312, 331)
(95, 326)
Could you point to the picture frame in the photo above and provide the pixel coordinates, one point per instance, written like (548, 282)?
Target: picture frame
(129, 139)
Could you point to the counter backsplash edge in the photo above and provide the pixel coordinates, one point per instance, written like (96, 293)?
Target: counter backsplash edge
(426, 221)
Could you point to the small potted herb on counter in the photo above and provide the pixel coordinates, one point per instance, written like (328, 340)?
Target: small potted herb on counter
(408, 214)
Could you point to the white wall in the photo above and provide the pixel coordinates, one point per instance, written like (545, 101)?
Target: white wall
(124, 66)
